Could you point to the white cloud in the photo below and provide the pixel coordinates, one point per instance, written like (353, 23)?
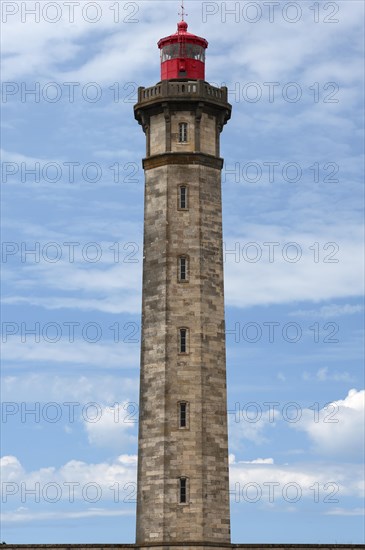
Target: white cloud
(249, 425)
(335, 430)
(115, 427)
(71, 486)
(121, 470)
(11, 468)
(301, 479)
(274, 483)
(105, 406)
(338, 428)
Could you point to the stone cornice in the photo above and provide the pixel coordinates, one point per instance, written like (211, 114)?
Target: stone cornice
(166, 159)
(182, 95)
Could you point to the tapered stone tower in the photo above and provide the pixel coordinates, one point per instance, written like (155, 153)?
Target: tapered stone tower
(183, 490)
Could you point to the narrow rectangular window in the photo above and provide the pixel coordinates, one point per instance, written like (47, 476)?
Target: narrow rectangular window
(183, 268)
(183, 132)
(183, 340)
(183, 491)
(183, 197)
(183, 415)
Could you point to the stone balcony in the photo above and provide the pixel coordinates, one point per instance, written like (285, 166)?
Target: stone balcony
(182, 90)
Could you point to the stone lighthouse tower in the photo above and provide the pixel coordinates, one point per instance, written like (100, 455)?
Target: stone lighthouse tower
(183, 491)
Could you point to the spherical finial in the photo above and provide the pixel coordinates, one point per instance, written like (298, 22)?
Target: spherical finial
(182, 26)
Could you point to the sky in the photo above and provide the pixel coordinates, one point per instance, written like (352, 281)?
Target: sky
(72, 205)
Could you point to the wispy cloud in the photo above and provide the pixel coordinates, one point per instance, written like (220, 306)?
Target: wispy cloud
(23, 515)
(101, 356)
(324, 374)
(280, 280)
(346, 512)
(44, 387)
(329, 311)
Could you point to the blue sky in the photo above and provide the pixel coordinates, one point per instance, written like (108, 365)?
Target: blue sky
(292, 210)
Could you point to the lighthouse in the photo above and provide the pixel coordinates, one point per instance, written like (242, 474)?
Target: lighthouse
(183, 485)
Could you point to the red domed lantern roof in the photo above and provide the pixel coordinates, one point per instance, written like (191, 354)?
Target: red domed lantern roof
(183, 55)
(181, 34)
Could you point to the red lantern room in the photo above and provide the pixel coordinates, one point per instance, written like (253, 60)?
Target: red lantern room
(183, 55)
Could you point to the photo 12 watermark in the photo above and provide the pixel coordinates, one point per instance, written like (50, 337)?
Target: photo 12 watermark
(69, 412)
(70, 252)
(291, 412)
(53, 492)
(70, 12)
(68, 92)
(269, 172)
(247, 12)
(69, 332)
(271, 332)
(291, 252)
(69, 172)
(291, 492)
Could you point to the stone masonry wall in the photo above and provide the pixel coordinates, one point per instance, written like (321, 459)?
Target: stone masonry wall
(198, 452)
(158, 135)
